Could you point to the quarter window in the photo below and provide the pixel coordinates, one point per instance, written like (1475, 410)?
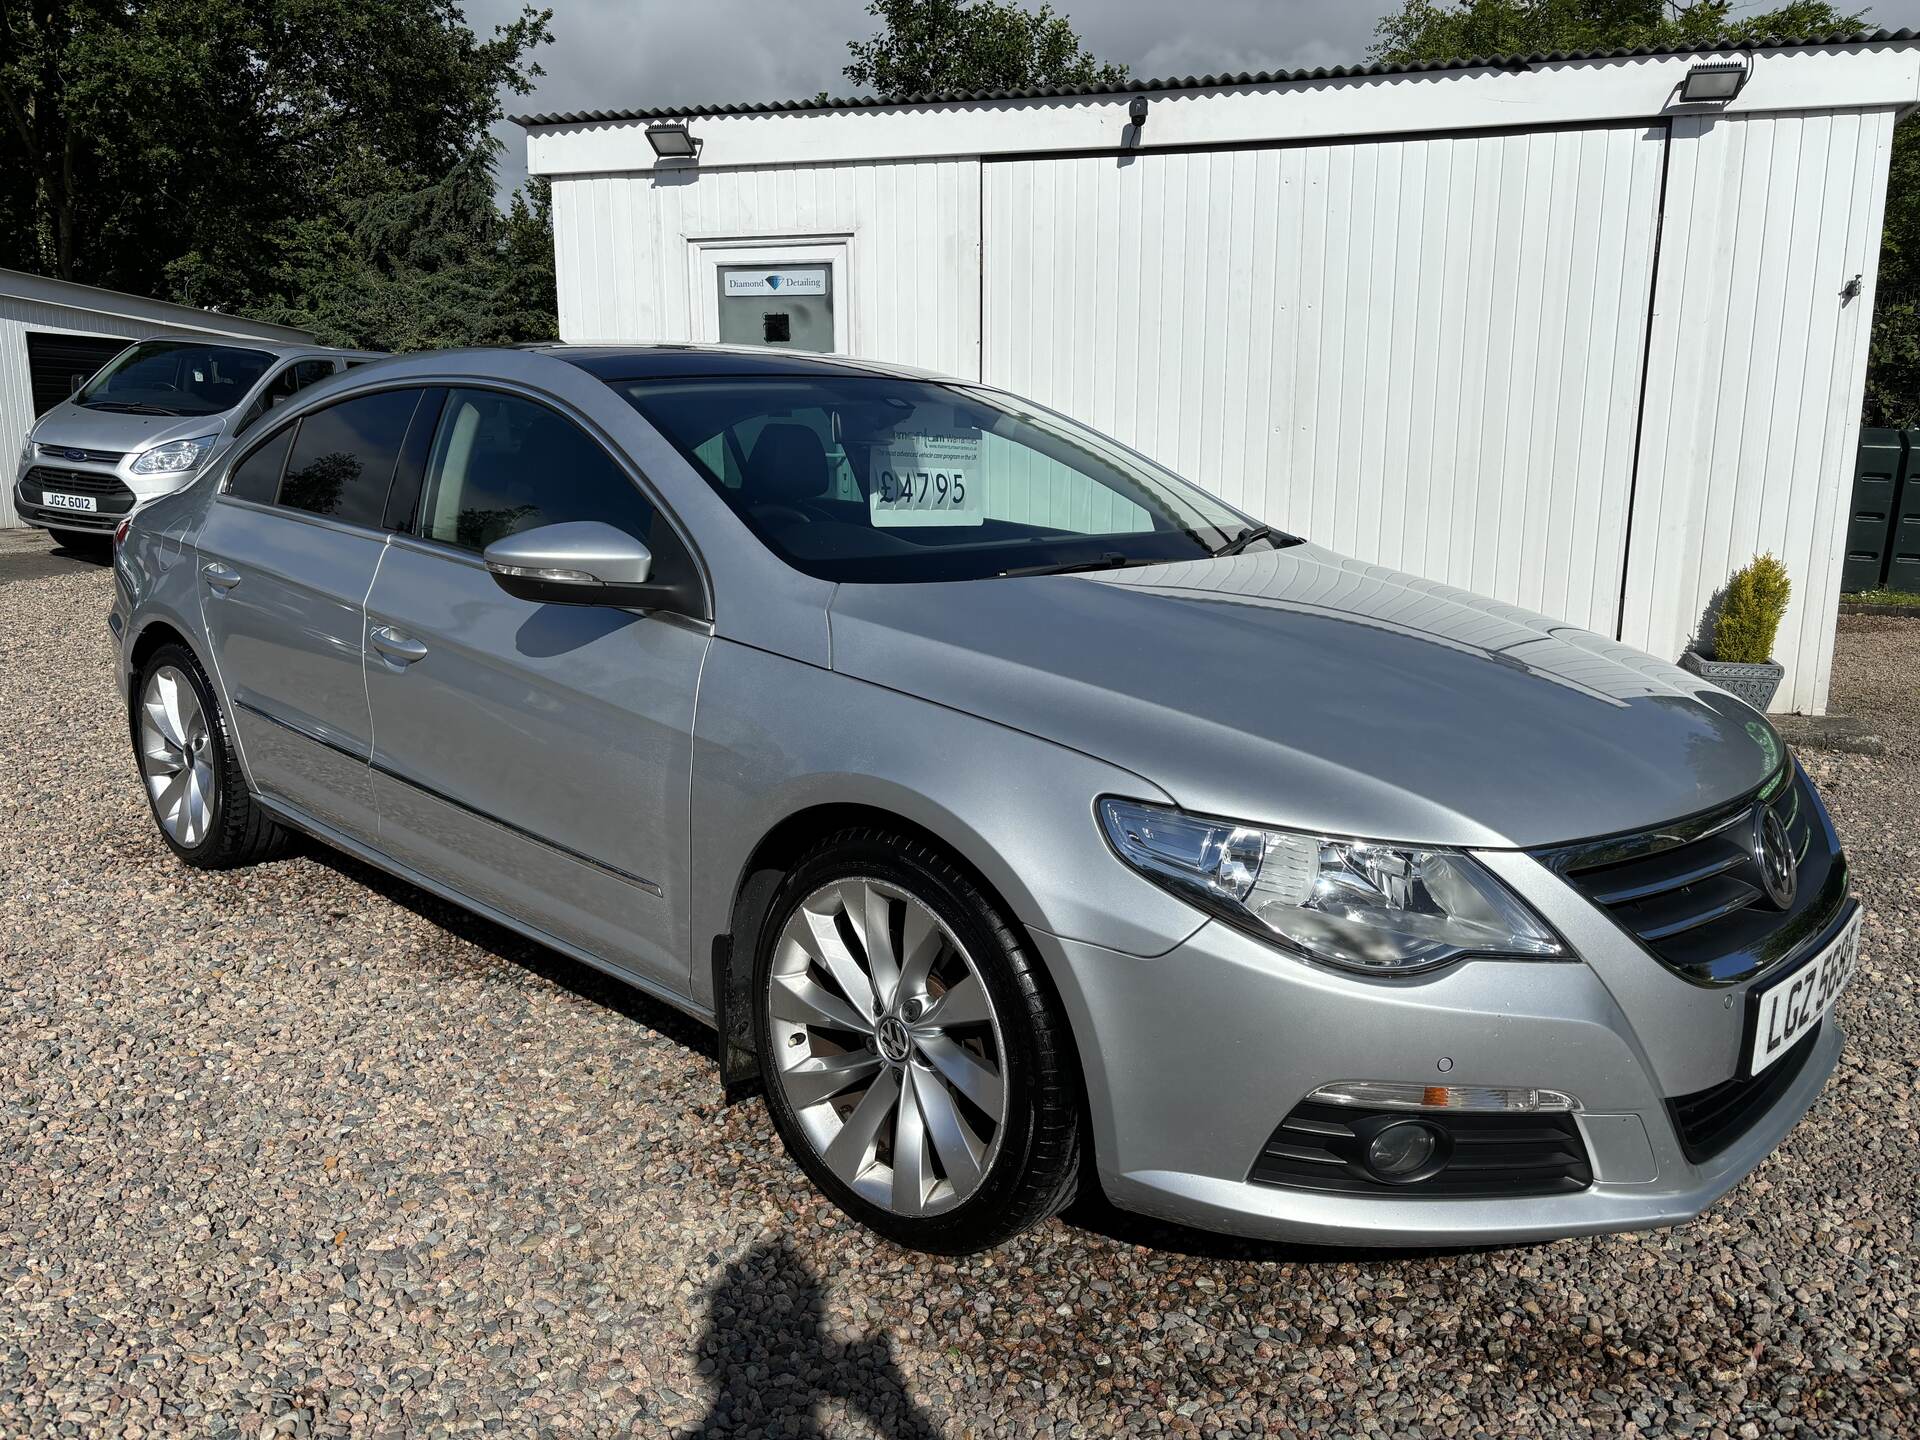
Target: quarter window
(343, 456)
(258, 476)
(501, 464)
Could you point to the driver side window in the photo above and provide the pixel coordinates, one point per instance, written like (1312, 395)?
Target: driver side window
(501, 464)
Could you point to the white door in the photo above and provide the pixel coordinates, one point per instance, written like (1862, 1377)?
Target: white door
(1425, 352)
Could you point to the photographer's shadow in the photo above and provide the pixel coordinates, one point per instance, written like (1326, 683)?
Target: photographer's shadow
(773, 1363)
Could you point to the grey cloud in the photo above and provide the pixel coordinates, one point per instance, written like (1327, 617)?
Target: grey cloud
(610, 54)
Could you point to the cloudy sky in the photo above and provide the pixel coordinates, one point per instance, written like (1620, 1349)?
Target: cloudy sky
(610, 54)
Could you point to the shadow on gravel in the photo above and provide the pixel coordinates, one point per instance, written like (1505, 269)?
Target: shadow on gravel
(569, 974)
(772, 1362)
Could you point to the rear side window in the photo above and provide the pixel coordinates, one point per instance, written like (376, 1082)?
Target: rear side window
(258, 476)
(343, 457)
(501, 464)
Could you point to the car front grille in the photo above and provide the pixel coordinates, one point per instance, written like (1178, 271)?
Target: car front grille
(1692, 893)
(1709, 1120)
(114, 497)
(1322, 1147)
(75, 452)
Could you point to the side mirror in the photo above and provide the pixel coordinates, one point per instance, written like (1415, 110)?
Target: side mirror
(577, 562)
(74, 382)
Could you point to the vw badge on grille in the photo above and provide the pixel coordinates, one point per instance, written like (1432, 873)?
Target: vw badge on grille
(1773, 853)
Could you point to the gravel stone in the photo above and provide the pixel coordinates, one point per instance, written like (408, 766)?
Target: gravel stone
(300, 1151)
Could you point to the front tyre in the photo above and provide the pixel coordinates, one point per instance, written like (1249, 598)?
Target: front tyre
(915, 1067)
(188, 766)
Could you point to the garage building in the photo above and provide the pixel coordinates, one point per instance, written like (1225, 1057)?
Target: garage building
(53, 332)
(1580, 332)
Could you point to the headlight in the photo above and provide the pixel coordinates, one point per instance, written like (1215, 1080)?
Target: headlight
(1380, 909)
(174, 458)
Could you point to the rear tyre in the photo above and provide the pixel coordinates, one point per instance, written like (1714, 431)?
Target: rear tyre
(915, 1065)
(188, 766)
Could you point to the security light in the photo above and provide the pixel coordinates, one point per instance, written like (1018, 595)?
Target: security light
(673, 142)
(1714, 83)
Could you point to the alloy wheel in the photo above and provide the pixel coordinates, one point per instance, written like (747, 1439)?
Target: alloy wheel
(176, 756)
(887, 1046)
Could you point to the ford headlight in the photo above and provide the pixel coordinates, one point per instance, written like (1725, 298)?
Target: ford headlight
(1379, 909)
(176, 457)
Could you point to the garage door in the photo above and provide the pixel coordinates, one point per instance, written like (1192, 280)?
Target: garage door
(55, 361)
(1425, 353)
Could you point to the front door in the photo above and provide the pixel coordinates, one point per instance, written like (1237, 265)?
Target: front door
(286, 556)
(535, 758)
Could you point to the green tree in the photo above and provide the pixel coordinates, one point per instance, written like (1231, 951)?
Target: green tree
(1426, 30)
(227, 152)
(926, 47)
(1452, 29)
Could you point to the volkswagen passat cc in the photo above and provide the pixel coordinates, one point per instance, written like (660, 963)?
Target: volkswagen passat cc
(1017, 811)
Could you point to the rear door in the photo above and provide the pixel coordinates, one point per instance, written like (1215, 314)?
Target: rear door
(287, 554)
(536, 758)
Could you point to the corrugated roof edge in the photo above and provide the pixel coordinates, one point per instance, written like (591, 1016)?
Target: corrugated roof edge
(1205, 82)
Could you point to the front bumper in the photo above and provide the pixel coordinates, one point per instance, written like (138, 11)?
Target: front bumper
(1193, 1057)
(116, 495)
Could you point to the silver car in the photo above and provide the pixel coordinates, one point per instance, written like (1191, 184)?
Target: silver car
(1017, 812)
(148, 420)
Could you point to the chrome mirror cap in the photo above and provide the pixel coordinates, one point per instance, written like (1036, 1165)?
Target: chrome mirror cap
(577, 562)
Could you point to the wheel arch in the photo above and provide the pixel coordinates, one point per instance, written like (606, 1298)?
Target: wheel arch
(150, 637)
(772, 857)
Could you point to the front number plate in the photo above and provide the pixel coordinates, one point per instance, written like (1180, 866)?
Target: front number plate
(1789, 1008)
(69, 502)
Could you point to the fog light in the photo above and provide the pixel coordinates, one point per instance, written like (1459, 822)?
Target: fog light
(1404, 1151)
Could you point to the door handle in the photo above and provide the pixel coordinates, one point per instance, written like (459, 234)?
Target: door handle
(401, 649)
(220, 577)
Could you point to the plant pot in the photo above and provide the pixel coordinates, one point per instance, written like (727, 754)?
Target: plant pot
(1753, 681)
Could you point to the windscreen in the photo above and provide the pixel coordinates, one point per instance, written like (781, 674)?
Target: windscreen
(877, 480)
(175, 377)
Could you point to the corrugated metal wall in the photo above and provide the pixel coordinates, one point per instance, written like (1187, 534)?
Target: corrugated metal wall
(17, 317)
(1430, 352)
(625, 249)
(1424, 353)
(1755, 374)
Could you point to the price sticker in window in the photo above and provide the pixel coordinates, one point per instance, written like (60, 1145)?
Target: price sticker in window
(927, 480)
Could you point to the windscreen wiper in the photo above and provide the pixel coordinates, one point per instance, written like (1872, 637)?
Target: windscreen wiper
(1112, 560)
(128, 407)
(1247, 537)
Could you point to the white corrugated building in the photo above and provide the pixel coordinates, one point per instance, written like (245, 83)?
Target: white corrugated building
(1547, 329)
(53, 330)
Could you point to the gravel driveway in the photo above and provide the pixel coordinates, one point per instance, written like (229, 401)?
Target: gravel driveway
(301, 1151)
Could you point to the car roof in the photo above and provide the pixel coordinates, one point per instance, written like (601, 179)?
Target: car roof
(279, 349)
(654, 362)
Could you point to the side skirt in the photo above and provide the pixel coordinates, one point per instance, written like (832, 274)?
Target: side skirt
(293, 819)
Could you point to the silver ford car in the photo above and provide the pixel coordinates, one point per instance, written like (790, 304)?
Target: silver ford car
(145, 424)
(1019, 814)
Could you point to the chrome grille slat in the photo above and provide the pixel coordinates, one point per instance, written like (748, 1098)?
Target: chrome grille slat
(1691, 891)
(1737, 896)
(1642, 889)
